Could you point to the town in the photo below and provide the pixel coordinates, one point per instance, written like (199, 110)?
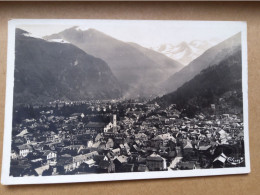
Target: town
(86, 137)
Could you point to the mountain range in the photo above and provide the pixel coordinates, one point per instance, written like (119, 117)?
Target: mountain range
(209, 85)
(211, 57)
(184, 52)
(78, 64)
(139, 70)
(51, 70)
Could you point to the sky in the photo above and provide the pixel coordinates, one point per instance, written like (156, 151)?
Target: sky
(148, 33)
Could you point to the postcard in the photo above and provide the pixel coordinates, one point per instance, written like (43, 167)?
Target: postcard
(101, 100)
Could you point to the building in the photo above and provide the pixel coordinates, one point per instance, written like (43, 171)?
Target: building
(101, 127)
(98, 127)
(114, 123)
(106, 166)
(50, 156)
(187, 165)
(220, 161)
(24, 150)
(155, 162)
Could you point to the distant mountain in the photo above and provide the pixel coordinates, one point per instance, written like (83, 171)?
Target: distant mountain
(165, 64)
(211, 57)
(138, 70)
(184, 52)
(51, 70)
(209, 85)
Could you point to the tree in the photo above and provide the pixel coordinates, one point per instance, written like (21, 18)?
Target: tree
(29, 172)
(31, 112)
(53, 128)
(47, 172)
(205, 161)
(61, 170)
(84, 168)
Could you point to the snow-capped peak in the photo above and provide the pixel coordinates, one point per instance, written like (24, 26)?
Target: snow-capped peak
(184, 52)
(58, 40)
(78, 28)
(31, 35)
(82, 28)
(197, 43)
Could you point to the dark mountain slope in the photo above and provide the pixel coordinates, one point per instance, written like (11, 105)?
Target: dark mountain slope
(209, 85)
(211, 57)
(138, 73)
(46, 71)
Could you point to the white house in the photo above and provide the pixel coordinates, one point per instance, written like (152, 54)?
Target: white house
(50, 156)
(24, 150)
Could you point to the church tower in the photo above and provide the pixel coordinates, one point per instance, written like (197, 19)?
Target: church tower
(114, 123)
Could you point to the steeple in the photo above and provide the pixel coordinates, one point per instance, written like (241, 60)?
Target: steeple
(114, 123)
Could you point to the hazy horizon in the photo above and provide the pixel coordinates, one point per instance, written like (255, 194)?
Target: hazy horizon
(149, 33)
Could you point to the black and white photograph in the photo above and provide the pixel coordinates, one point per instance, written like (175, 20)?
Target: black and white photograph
(99, 100)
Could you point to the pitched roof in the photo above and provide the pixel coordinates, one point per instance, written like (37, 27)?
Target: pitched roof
(126, 145)
(188, 145)
(122, 159)
(48, 152)
(154, 157)
(90, 162)
(95, 125)
(222, 158)
(22, 133)
(136, 148)
(83, 157)
(96, 145)
(204, 147)
(76, 114)
(25, 146)
(165, 136)
(40, 170)
(116, 150)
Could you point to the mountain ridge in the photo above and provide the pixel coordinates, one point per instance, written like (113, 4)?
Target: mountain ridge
(137, 73)
(209, 86)
(210, 57)
(184, 52)
(47, 71)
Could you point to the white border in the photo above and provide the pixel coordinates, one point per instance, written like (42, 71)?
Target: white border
(8, 180)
